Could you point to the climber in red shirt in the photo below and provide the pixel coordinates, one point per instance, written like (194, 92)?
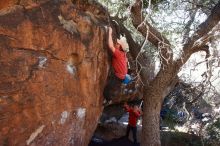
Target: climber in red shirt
(119, 59)
(134, 114)
(119, 64)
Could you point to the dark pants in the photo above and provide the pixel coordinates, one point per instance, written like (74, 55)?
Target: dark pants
(134, 132)
(112, 87)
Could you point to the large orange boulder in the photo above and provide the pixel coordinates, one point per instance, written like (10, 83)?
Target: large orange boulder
(53, 68)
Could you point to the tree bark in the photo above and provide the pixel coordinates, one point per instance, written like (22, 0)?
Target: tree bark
(151, 120)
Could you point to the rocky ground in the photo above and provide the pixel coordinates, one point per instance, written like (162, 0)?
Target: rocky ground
(111, 134)
(115, 142)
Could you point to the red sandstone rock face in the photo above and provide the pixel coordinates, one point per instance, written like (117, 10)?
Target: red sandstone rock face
(7, 3)
(4, 4)
(53, 67)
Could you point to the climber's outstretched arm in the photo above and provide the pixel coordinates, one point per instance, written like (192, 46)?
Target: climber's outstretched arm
(110, 41)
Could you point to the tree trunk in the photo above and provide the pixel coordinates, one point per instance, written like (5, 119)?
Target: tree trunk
(153, 97)
(151, 119)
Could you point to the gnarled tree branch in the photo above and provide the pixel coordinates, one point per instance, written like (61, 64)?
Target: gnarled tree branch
(205, 27)
(154, 36)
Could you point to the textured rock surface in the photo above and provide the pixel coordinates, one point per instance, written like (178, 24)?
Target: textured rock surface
(4, 4)
(53, 67)
(7, 3)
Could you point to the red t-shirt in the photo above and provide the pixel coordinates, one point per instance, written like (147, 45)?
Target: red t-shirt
(133, 116)
(119, 63)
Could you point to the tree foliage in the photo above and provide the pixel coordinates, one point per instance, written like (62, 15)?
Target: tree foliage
(181, 38)
(213, 133)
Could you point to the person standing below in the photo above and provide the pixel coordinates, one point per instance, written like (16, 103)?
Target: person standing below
(119, 64)
(134, 114)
